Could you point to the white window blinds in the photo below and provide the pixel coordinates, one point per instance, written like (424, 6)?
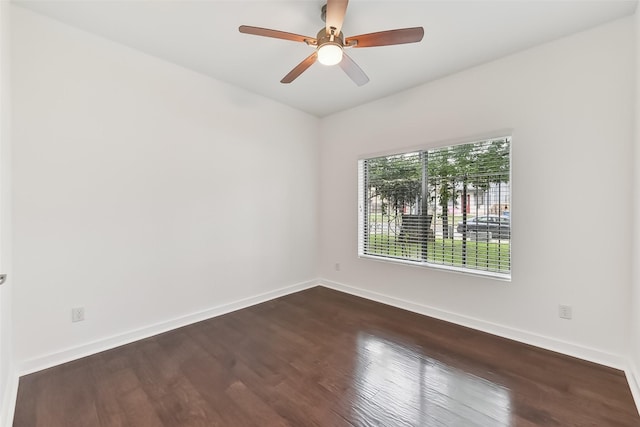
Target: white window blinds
(449, 207)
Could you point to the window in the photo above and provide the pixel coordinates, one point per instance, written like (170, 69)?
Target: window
(447, 207)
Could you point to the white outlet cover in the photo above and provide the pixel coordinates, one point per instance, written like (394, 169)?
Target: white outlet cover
(565, 312)
(77, 314)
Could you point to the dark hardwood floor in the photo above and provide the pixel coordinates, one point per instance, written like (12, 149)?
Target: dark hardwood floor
(324, 358)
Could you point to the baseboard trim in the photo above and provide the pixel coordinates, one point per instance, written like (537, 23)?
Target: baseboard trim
(9, 396)
(73, 353)
(633, 378)
(548, 343)
(56, 358)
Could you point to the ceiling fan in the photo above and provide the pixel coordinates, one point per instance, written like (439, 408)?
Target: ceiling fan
(330, 42)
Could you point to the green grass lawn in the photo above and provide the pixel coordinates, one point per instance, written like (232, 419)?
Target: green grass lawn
(490, 256)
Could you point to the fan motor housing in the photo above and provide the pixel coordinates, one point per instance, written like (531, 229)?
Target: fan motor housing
(324, 38)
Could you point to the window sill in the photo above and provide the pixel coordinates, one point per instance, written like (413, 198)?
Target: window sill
(505, 277)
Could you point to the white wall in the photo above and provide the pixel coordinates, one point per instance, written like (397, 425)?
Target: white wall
(8, 378)
(635, 300)
(145, 192)
(570, 108)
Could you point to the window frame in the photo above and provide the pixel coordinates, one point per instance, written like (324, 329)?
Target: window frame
(362, 209)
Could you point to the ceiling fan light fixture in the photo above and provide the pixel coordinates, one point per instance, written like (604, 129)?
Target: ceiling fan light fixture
(330, 53)
(330, 41)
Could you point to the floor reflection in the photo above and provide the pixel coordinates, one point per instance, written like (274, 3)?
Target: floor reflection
(398, 385)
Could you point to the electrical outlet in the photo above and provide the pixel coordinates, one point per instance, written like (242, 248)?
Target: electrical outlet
(337, 266)
(77, 314)
(565, 312)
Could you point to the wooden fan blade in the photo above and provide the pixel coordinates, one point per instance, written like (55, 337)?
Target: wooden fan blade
(300, 68)
(266, 32)
(386, 38)
(352, 69)
(336, 9)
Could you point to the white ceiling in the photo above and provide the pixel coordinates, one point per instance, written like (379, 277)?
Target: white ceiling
(203, 36)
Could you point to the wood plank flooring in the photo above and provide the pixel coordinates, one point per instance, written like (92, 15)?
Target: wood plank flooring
(324, 358)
